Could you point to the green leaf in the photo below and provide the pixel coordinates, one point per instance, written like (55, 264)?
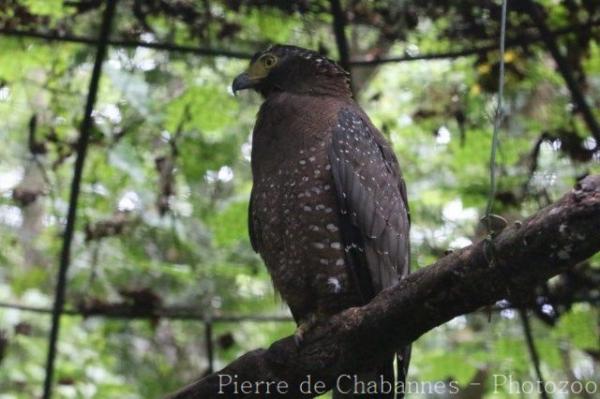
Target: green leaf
(579, 326)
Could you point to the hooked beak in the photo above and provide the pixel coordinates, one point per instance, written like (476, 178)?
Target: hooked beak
(243, 81)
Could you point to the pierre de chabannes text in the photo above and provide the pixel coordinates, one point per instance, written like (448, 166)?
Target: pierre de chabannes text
(349, 383)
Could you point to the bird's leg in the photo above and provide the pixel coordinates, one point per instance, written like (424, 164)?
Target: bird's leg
(306, 324)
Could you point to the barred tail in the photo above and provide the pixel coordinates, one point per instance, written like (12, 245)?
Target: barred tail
(403, 361)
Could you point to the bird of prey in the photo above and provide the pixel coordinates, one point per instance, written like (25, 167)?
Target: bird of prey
(328, 210)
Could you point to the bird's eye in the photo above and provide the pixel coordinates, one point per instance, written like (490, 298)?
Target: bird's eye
(269, 61)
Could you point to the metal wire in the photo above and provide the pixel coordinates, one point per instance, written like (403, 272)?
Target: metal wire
(498, 116)
(65, 255)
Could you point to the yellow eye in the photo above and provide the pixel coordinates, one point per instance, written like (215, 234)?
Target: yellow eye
(269, 61)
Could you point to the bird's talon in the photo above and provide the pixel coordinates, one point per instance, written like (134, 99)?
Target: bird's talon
(300, 333)
(298, 338)
(303, 328)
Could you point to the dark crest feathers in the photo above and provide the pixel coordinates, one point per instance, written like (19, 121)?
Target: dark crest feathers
(323, 64)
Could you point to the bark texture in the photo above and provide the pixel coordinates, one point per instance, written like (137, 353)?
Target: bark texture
(523, 255)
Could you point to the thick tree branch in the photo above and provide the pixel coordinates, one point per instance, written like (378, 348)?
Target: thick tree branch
(549, 242)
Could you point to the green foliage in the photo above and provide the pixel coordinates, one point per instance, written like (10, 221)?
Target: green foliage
(579, 327)
(182, 228)
(196, 101)
(45, 7)
(231, 224)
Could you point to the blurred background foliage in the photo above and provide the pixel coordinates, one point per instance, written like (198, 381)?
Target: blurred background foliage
(163, 278)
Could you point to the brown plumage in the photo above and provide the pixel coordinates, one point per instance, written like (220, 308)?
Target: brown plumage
(328, 210)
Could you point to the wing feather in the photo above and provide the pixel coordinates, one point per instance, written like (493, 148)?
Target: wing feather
(372, 199)
(253, 229)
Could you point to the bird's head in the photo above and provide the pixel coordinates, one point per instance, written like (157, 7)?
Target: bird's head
(282, 68)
